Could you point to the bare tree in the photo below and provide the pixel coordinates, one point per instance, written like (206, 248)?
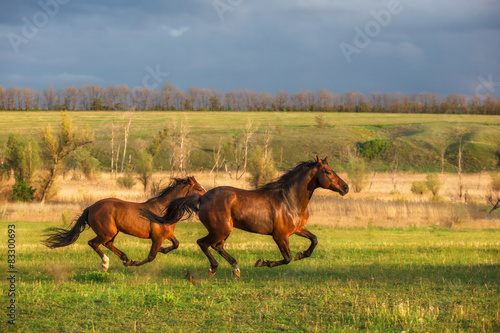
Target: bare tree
(123, 96)
(247, 135)
(167, 95)
(263, 100)
(126, 132)
(180, 148)
(112, 147)
(29, 98)
(280, 100)
(3, 98)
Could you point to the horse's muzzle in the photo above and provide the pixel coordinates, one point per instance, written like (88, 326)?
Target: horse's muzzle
(344, 189)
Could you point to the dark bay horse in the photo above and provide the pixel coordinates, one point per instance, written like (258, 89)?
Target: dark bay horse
(278, 209)
(110, 216)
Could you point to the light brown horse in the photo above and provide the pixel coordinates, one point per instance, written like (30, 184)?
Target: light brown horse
(278, 209)
(110, 216)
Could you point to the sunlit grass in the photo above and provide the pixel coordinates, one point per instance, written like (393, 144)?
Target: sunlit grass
(369, 279)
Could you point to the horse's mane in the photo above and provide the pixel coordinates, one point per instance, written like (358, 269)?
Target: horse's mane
(283, 186)
(170, 188)
(284, 182)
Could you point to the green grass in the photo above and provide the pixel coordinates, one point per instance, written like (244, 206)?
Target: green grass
(296, 136)
(376, 280)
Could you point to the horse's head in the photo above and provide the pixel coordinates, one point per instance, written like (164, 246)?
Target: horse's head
(195, 187)
(328, 179)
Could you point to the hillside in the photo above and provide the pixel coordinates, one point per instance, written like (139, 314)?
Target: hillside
(412, 142)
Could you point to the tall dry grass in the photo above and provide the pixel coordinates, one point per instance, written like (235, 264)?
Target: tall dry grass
(387, 201)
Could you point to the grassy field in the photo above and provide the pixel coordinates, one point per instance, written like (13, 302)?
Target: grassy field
(357, 280)
(296, 136)
(388, 260)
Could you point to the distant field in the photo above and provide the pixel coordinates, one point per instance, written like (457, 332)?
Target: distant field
(358, 280)
(296, 136)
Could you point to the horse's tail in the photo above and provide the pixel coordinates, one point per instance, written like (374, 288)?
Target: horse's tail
(59, 237)
(175, 210)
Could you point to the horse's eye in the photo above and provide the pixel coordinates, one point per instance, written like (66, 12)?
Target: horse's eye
(328, 172)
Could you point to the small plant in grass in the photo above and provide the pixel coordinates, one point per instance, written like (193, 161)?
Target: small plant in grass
(419, 187)
(358, 172)
(433, 183)
(96, 277)
(320, 121)
(126, 181)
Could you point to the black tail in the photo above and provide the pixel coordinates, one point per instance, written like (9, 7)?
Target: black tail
(175, 210)
(59, 237)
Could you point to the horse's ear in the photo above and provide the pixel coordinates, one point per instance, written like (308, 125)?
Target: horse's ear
(191, 180)
(325, 160)
(317, 159)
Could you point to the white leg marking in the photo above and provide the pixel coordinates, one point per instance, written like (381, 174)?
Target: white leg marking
(105, 263)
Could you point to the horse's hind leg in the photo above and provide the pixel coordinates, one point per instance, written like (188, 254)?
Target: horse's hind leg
(167, 249)
(314, 241)
(284, 247)
(204, 243)
(219, 247)
(123, 257)
(95, 243)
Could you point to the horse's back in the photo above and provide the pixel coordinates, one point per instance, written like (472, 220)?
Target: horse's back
(245, 209)
(114, 215)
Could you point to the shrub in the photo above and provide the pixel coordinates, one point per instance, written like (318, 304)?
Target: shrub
(126, 181)
(433, 183)
(144, 167)
(261, 168)
(419, 187)
(83, 160)
(22, 191)
(357, 172)
(372, 149)
(320, 121)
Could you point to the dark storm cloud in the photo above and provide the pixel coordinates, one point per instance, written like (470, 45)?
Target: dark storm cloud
(443, 47)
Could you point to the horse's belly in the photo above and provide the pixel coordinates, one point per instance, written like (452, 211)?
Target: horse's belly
(259, 226)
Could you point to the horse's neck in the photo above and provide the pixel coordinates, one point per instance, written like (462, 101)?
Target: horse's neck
(303, 190)
(175, 193)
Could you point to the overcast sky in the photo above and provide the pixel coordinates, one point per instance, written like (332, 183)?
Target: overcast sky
(441, 46)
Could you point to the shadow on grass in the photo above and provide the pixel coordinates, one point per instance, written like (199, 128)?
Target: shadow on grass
(362, 274)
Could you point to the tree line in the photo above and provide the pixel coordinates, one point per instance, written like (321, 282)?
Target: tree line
(170, 97)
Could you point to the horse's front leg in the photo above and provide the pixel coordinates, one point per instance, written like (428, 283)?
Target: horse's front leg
(284, 246)
(314, 241)
(155, 247)
(167, 249)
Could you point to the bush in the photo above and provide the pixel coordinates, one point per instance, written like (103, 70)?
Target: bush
(357, 172)
(144, 167)
(126, 181)
(22, 191)
(419, 187)
(320, 121)
(372, 149)
(433, 183)
(261, 168)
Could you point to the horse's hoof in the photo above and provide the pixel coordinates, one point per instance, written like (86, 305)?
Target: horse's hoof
(128, 263)
(299, 256)
(259, 263)
(211, 272)
(236, 272)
